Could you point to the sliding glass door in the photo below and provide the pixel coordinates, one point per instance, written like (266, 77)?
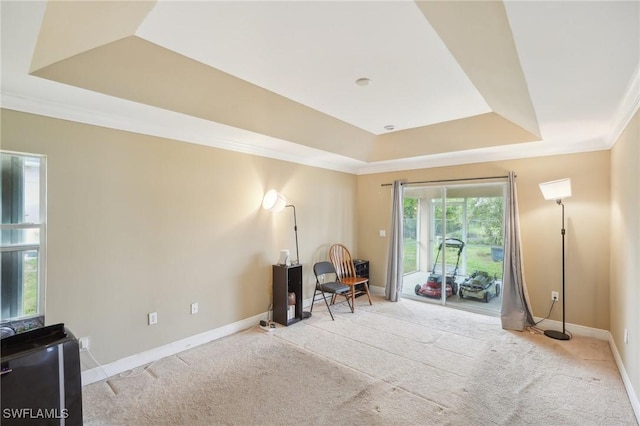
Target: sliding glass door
(454, 243)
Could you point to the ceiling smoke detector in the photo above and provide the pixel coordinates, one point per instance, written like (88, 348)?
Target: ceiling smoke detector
(363, 81)
(389, 127)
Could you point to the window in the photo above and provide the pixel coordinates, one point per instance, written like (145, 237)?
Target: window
(411, 231)
(470, 218)
(23, 234)
(476, 220)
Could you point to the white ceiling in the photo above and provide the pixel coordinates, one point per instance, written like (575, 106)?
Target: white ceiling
(313, 52)
(580, 62)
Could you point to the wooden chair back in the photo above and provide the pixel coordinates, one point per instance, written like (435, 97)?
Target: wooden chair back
(341, 259)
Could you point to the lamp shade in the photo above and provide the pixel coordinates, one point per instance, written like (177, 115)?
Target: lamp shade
(556, 189)
(274, 201)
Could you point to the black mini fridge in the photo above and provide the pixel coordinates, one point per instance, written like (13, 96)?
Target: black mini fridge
(41, 379)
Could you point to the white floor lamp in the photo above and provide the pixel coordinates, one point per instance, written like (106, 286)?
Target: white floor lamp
(558, 190)
(276, 202)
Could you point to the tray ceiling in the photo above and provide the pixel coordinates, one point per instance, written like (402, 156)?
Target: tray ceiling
(457, 81)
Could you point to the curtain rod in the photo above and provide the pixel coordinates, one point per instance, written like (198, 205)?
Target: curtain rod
(447, 180)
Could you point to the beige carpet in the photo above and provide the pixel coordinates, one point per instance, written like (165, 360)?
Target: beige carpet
(406, 363)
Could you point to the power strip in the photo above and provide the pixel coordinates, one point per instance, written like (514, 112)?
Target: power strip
(268, 325)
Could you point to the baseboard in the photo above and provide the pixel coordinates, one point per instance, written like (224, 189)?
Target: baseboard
(378, 291)
(578, 330)
(600, 334)
(113, 368)
(633, 396)
(102, 372)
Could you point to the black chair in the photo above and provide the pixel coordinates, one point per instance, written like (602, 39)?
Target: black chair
(333, 287)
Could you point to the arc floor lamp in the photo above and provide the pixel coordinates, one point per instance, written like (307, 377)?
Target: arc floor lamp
(558, 190)
(276, 202)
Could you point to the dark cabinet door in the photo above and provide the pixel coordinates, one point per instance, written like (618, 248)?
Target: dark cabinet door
(286, 280)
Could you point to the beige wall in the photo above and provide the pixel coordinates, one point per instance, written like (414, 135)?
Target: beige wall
(587, 239)
(625, 248)
(139, 224)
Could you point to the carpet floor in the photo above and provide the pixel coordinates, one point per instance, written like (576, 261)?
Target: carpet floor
(405, 363)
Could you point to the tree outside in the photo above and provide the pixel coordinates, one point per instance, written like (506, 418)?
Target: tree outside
(484, 231)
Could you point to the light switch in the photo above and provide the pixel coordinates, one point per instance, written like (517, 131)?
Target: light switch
(382, 233)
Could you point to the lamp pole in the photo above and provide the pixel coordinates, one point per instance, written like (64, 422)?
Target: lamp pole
(553, 333)
(305, 314)
(295, 229)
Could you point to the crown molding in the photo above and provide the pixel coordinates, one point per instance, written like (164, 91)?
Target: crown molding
(484, 155)
(181, 127)
(628, 108)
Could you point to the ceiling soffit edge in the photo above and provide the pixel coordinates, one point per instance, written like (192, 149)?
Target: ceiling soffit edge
(485, 130)
(479, 37)
(72, 27)
(626, 112)
(483, 155)
(138, 70)
(132, 68)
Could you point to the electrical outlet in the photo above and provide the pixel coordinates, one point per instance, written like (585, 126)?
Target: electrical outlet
(83, 343)
(153, 318)
(194, 308)
(626, 336)
(555, 296)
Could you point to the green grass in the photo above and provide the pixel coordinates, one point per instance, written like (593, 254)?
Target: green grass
(478, 258)
(30, 289)
(409, 260)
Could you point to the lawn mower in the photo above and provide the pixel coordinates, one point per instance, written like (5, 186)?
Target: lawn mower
(480, 285)
(433, 286)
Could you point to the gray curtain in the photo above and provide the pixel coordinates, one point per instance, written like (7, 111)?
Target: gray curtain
(393, 287)
(516, 311)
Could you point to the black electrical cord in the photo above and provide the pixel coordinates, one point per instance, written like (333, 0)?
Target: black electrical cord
(534, 328)
(548, 315)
